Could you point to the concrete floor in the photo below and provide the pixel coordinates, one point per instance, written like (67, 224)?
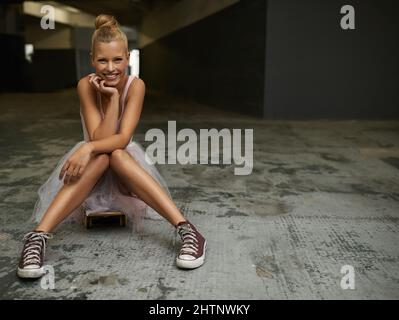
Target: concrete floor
(323, 194)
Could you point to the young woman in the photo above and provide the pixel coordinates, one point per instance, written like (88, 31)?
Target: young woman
(108, 170)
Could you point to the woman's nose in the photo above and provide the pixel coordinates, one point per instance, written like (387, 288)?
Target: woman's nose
(110, 67)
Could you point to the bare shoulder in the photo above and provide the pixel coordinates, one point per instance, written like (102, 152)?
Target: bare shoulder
(84, 86)
(83, 82)
(136, 87)
(138, 84)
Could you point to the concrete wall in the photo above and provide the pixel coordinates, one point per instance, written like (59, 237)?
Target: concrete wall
(217, 61)
(82, 43)
(304, 66)
(59, 38)
(167, 17)
(12, 54)
(53, 69)
(314, 69)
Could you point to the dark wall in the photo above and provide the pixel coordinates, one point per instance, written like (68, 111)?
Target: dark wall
(82, 44)
(83, 61)
(12, 56)
(314, 69)
(53, 69)
(49, 70)
(217, 61)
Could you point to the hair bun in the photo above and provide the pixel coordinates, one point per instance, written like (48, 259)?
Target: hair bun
(105, 20)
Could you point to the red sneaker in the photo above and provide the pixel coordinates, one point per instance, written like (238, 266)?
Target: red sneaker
(32, 256)
(192, 252)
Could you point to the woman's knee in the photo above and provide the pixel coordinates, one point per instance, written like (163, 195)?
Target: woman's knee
(116, 156)
(102, 161)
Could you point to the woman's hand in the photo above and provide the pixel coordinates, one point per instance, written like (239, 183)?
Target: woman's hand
(76, 163)
(99, 84)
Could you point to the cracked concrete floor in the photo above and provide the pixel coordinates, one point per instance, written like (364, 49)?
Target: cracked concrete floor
(322, 194)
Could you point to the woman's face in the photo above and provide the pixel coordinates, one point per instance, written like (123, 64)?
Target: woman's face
(110, 61)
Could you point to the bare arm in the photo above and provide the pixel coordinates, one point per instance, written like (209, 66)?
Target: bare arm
(109, 124)
(90, 113)
(130, 119)
(77, 162)
(107, 145)
(97, 127)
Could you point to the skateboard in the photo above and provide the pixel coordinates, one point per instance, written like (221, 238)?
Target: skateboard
(102, 217)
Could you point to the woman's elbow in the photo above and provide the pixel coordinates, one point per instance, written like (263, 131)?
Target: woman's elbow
(125, 141)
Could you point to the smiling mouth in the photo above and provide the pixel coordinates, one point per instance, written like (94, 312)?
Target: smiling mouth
(111, 76)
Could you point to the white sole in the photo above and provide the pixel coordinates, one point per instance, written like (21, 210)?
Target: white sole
(187, 264)
(30, 273)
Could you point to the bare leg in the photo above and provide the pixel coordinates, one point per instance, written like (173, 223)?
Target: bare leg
(73, 194)
(138, 181)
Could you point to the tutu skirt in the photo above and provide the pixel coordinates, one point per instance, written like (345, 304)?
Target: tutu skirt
(107, 194)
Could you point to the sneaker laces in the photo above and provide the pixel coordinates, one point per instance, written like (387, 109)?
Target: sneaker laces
(35, 243)
(190, 241)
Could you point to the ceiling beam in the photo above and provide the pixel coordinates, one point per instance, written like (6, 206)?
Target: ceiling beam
(62, 14)
(162, 22)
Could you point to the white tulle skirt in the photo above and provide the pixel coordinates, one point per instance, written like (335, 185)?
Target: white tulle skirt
(107, 194)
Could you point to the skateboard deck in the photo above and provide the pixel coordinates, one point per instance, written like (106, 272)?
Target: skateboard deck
(105, 217)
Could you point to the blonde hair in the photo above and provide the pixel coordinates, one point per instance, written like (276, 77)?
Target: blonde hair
(107, 30)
